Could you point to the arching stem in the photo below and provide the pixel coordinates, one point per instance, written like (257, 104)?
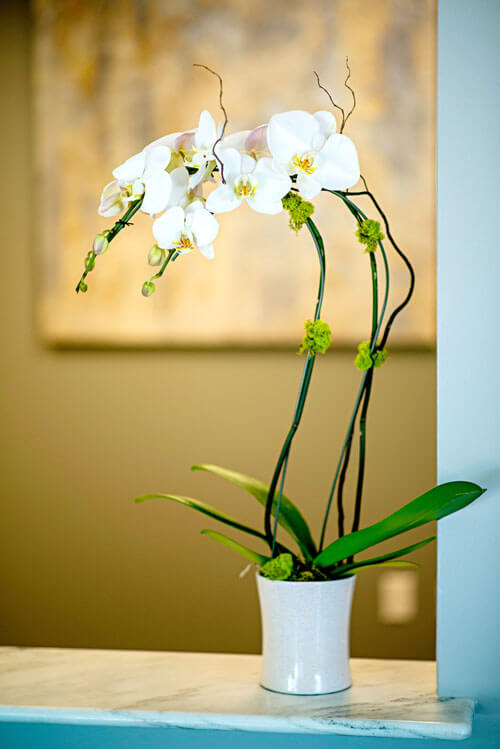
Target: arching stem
(282, 462)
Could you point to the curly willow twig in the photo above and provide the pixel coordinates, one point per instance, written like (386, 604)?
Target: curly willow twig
(221, 104)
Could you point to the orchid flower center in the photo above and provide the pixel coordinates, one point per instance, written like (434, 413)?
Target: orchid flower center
(184, 243)
(304, 163)
(245, 187)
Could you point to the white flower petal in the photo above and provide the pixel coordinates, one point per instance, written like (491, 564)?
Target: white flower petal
(275, 182)
(157, 192)
(235, 140)
(231, 160)
(308, 185)
(157, 159)
(131, 169)
(201, 175)
(168, 228)
(165, 140)
(262, 203)
(338, 166)
(204, 226)
(327, 122)
(256, 142)
(223, 199)
(206, 133)
(291, 133)
(208, 251)
(112, 203)
(248, 163)
(180, 180)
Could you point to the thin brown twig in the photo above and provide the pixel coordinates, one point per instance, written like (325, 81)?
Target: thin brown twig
(221, 104)
(351, 90)
(331, 99)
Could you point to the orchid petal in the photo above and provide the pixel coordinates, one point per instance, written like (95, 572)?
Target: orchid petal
(291, 133)
(338, 166)
(207, 251)
(327, 122)
(308, 185)
(204, 226)
(157, 192)
(200, 175)
(180, 181)
(262, 203)
(157, 158)
(168, 228)
(256, 141)
(231, 161)
(223, 199)
(248, 163)
(131, 169)
(206, 133)
(235, 140)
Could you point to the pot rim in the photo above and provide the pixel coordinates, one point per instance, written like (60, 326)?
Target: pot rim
(306, 582)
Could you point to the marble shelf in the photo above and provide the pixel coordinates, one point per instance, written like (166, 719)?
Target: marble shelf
(206, 690)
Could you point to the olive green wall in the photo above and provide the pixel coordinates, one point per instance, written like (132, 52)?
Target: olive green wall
(83, 432)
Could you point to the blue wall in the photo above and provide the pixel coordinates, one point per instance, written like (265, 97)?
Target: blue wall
(468, 171)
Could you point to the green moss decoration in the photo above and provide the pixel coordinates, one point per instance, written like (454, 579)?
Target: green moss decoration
(278, 568)
(300, 210)
(318, 337)
(364, 360)
(369, 234)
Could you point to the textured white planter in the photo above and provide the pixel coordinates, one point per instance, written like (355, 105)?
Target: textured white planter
(305, 635)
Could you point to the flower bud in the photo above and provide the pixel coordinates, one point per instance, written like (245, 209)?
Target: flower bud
(100, 244)
(148, 288)
(156, 255)
(82, 286)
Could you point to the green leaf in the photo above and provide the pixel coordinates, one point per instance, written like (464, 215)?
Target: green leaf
(398, 563)
(290, 517)
(206, 510)
(384, 558)
(438, 502)
(253, 556)
(278, 568)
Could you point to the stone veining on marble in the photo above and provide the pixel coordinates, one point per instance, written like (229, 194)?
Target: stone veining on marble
(209, 690)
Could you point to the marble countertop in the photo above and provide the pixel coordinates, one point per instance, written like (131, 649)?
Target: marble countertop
(209, 690)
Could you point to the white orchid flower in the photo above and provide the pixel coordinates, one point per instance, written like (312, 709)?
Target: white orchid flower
(196, 147)
(114, 199)
(307, 145)
(145, 172)
(260, 183)
(187, 229)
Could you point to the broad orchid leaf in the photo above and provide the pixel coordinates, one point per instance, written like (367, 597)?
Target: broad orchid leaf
(253, 556)
(396, 563)
(290, 517)
(438, 502)
(206, 510)
(384, 558)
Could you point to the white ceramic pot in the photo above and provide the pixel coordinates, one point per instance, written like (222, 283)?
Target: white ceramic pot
(305, 635)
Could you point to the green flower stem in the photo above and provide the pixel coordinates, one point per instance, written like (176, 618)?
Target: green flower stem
(401, 254)
(343, 461)
(282, 463)
(366, 401)
(111, 234)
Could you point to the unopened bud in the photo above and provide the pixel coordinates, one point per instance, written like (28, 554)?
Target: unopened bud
(148, 288)
(82, 286)
(90, 261)
(156, 255)
(100, 244)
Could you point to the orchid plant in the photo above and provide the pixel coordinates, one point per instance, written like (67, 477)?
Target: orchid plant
(279, 166)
